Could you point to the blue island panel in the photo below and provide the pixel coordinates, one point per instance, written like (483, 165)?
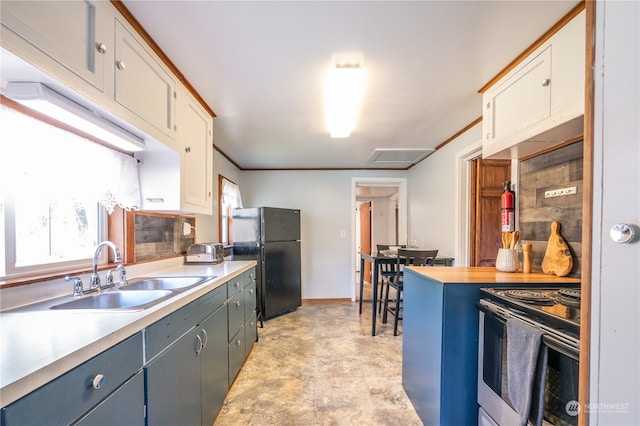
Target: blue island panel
(440, 349)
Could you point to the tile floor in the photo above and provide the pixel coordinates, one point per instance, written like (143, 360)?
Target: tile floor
(319, 365)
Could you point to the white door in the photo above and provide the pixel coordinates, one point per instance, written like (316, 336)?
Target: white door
(615, 313)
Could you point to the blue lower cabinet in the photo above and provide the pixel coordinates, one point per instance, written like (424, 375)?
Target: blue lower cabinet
(123, 407)
(173, 384)
(213, 366)
(75, 393)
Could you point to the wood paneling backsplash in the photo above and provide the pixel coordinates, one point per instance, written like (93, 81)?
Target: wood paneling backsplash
(160, 236)
(553, 170)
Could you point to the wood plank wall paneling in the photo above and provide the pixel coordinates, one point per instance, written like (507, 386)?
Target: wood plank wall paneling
(557, 169)
(160, 236)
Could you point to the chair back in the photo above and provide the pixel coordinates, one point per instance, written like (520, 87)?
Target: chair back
(416, 257)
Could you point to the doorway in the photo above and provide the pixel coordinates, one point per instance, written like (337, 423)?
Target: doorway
(398, 210)
(487, 183)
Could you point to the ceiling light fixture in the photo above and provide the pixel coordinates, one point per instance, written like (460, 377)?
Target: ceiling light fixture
(44, 100)
(344, 91)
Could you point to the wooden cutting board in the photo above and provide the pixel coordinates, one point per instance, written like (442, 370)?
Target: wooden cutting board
(557, 259)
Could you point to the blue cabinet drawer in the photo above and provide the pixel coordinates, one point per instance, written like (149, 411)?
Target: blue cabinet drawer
(162, 333)
(249, 300)
(237, 352)
(234, 285)
(249, 276)
(66, 398)
(250, 333)
(235, 311)
(123, 407)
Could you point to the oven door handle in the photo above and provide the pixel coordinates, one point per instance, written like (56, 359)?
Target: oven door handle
(547, 338)
(561, 347)
(497, 315)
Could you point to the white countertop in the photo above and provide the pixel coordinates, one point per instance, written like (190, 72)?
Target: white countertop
(36, 347)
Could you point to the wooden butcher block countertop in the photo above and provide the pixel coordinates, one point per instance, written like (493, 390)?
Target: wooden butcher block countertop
(461, 274)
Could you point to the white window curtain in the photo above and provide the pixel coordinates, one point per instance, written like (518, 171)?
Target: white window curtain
(231, 194)
(230, 198)
(50, 162)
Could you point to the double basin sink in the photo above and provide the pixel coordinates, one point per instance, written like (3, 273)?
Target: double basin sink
(137, 294)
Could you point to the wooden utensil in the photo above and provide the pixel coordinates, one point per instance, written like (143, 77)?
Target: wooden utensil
(557, 258)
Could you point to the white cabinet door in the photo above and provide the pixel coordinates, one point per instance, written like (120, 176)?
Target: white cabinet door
(72, 33)
(142, 85)
(521, 101)
(196, 169)
(540, 103)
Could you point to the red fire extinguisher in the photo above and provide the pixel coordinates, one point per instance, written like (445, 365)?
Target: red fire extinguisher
(508, 209)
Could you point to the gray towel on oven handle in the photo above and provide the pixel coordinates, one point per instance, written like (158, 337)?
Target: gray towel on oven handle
(523, 346)
(537, 398)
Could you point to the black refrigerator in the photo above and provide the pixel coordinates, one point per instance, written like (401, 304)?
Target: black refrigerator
(271, 236)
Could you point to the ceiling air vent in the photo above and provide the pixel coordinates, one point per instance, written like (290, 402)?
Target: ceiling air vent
(399, 155)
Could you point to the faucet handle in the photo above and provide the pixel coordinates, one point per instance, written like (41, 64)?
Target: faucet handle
(109, 278)
(77, 285)
(123, 275)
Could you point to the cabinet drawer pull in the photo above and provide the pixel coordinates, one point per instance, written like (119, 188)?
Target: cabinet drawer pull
(98, 381)
(236, 284)
(198, 344)
(205, 338)
(546, 82)
(102, 48)
(121, 65)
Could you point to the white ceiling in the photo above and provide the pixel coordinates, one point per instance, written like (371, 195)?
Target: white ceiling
(260, 66)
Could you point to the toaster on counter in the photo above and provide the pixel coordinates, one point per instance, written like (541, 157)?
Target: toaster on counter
(205, 253)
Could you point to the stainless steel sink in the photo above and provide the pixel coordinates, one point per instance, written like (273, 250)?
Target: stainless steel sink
(139, 293)
(118, 300)
(163, 283)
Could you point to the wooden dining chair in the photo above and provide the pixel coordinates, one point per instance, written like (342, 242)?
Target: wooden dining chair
(405, 257)
(387, 270)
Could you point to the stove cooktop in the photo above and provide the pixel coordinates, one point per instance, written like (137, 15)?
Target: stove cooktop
(559, 305)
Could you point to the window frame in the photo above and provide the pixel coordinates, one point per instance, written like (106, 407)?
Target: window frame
(8, 269)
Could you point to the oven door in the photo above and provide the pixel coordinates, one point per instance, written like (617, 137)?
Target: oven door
(561, 383)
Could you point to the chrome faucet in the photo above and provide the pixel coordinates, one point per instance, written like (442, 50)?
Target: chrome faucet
(95, 279)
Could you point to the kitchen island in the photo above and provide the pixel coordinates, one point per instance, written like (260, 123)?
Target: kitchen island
(40, 346)
(440, 337)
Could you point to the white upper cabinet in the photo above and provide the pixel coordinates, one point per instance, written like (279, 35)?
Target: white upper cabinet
(88, 50)
(75, 37)
(142, 85)
(195, 134)
(540, 103)
(183, 180)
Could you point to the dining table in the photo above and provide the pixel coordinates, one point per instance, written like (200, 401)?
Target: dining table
(377, 260)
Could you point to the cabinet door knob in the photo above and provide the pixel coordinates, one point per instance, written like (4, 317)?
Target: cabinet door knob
(238, 342)
(121, 65)
(237, 303)
(102, 48)
(546, 82)
(98, 381)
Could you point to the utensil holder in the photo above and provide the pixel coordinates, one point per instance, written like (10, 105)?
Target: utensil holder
(507, 260)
